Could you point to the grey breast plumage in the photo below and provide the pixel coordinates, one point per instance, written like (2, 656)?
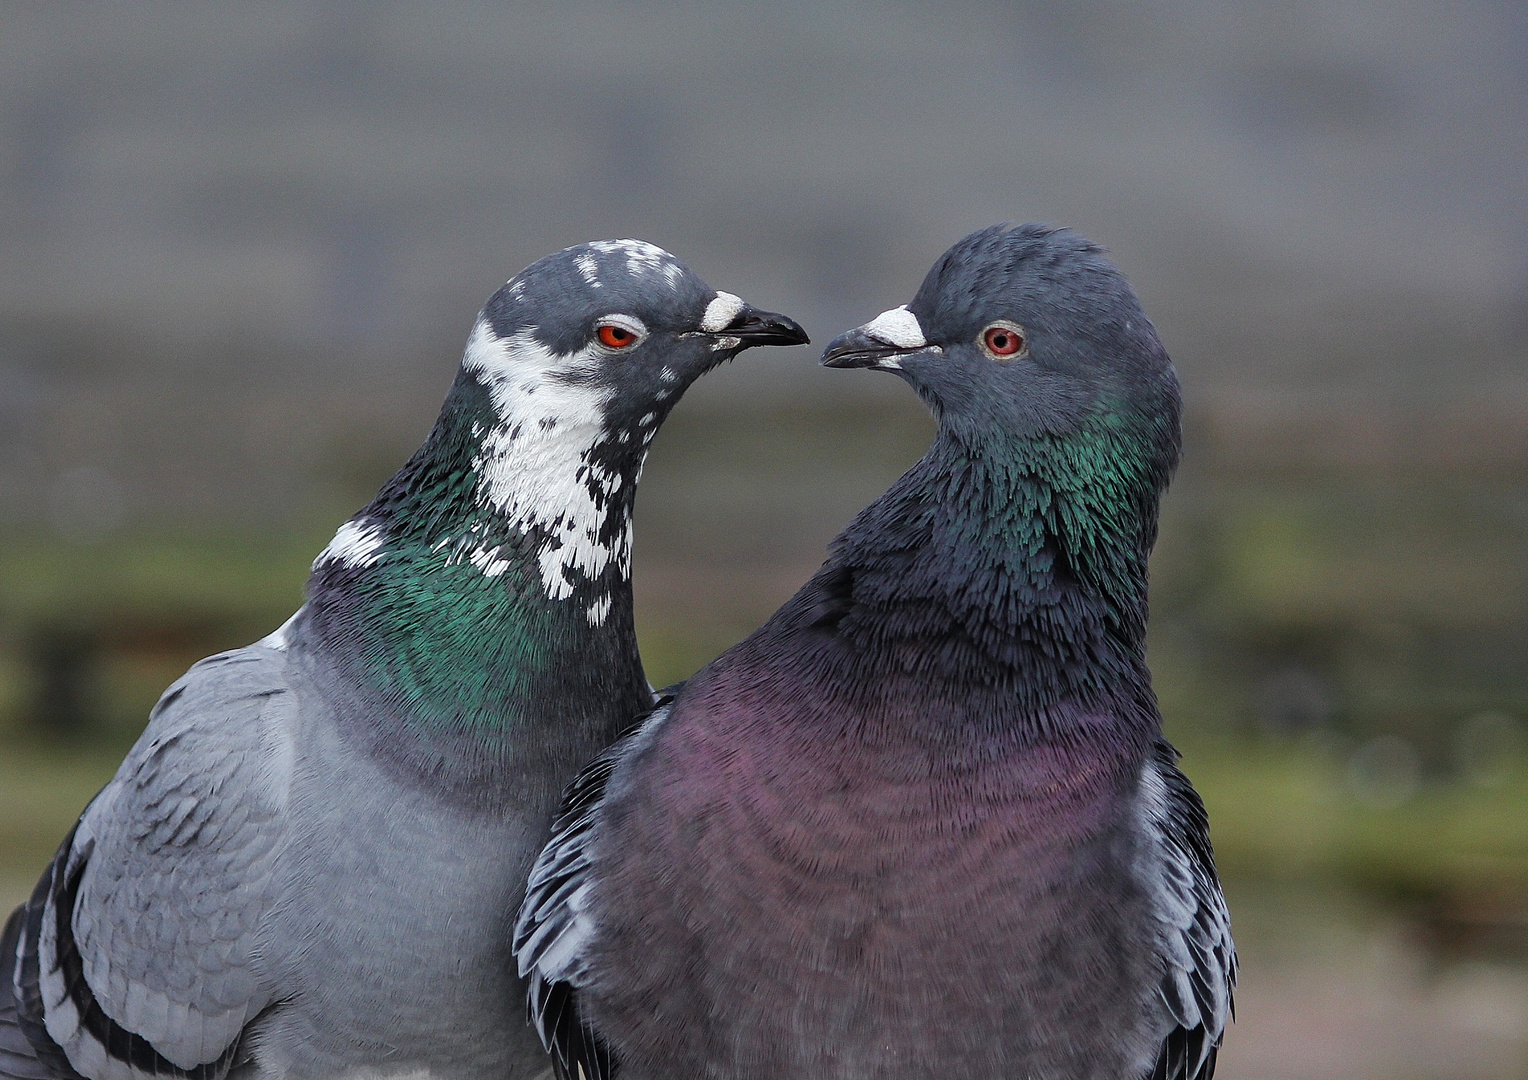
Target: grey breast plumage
(557, 923)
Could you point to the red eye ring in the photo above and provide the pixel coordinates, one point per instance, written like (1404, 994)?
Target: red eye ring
(1003, 341)
(615, 336)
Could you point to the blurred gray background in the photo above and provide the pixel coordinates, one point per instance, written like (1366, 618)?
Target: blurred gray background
(241, 247)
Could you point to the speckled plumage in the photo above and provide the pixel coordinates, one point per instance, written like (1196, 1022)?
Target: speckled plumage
(303, 867)
(922, 823)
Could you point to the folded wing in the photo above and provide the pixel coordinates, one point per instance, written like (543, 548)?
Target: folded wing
(136, 954)
(1199, 971)
(553, 932)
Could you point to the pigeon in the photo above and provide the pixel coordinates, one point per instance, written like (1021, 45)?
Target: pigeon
(307, 864)
(924, 822)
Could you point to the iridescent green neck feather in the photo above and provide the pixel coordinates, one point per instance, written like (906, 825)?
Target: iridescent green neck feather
(440, 605)
(1028, 555)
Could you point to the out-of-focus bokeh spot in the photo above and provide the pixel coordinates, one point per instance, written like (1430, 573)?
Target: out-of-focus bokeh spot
(241, 247)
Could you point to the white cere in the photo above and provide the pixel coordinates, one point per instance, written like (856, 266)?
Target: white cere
(898, 327)
(720, 312)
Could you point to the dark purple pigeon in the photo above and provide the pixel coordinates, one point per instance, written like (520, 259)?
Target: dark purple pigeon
(924, 823)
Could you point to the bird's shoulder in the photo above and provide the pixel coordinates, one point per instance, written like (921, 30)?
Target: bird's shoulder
(138, 945)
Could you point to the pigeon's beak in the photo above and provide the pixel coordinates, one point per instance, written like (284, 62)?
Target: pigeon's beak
(754, 327)
(859, 348)
(879, 344)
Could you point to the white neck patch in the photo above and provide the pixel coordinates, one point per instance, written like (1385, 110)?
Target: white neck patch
(720, 312)
(357, 543)
(898, 327)
(534, 468)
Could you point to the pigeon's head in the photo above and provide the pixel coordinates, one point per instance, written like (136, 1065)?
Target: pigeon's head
(1028, 333)
(615, 329)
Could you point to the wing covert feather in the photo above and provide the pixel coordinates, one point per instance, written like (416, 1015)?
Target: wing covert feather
(145, 928)
(555, 926)
(1199, 957)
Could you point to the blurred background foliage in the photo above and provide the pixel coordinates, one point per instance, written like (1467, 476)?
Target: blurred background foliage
(240, 248)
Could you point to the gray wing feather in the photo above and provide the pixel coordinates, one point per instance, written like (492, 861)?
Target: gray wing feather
(1199, 969)
(19, 1058)
(166, 879)
(555, 926)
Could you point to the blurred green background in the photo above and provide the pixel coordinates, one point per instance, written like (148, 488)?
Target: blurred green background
(240, 249)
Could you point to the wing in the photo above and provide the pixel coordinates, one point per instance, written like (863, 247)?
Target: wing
(554, 928)
(1200, 958)
(19, 1058)
(136, 952)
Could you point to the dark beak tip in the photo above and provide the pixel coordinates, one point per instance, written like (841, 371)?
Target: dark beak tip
(852, 349)
(797, 333)
(783, 330)
(769, 328)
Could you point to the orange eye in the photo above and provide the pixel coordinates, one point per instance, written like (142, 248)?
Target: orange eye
(615, 336)
(1003, 341)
